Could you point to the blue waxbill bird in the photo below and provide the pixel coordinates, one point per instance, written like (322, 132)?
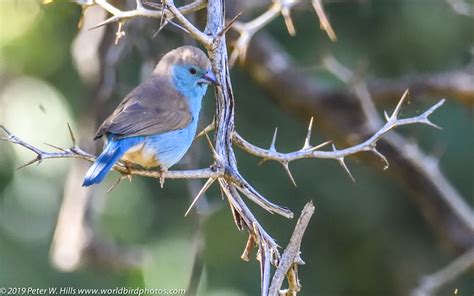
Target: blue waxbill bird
(156, 122)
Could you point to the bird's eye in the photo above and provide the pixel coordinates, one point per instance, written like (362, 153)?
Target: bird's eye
(192, 70)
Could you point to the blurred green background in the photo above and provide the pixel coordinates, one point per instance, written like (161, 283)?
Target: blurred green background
(366, 238)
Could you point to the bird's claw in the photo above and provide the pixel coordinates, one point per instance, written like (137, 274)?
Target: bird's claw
(162, 176)
(128, 173)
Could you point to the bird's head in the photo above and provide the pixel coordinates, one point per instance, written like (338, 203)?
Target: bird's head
(189, 68)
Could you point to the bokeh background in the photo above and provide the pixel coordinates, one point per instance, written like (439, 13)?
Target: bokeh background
(366, 238)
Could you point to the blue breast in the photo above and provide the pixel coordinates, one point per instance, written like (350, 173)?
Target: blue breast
(168, 148)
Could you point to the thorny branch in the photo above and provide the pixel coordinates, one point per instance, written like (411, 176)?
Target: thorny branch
(308, 151)
(165, 12)
(374, 121)
(76, 152)
(225, 169)
(429, 284)
(247, 30)
(276, 72)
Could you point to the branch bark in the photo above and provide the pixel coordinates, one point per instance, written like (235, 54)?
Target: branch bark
(291, 256)
(439, 202)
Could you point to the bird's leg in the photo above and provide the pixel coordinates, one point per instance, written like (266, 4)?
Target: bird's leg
(128, 166)
(163, 170)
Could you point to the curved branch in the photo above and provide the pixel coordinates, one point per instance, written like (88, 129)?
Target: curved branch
(439, 202)
(248, 29)
(368, 145)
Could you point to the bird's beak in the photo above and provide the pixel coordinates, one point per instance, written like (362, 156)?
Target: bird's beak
(209, 78)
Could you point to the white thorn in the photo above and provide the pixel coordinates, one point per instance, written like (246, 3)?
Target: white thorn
(73, 139)
(428, 122)
(55, 147)
(428, 112)
(433, 108)
(286, 13)
(262, 161)
(201, 192)
(320, 145)
(214, 152)
(207, 129)
(272, 145)
(385, 114)
(115, 184)
(343, 164)
(307, 143)
(139, 4)
(396, 112)
(323, 20)
(287, 169)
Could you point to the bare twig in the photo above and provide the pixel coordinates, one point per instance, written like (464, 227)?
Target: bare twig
(291, 255)
(368, 145)
(247, 30)
(140, 11)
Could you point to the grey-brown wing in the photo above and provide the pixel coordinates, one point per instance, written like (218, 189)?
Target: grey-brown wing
(152, 108)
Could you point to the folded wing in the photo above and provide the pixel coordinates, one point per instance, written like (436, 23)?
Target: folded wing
(153, 108)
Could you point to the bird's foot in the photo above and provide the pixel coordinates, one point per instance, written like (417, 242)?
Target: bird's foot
(162, 176)
(128, 173)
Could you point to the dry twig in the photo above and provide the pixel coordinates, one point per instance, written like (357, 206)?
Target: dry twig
(247, 30)
(121, 16)
(290, 259)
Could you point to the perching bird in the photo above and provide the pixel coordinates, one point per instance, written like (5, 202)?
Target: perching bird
(156, 122)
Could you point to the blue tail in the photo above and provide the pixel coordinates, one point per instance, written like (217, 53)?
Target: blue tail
(113, 151)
